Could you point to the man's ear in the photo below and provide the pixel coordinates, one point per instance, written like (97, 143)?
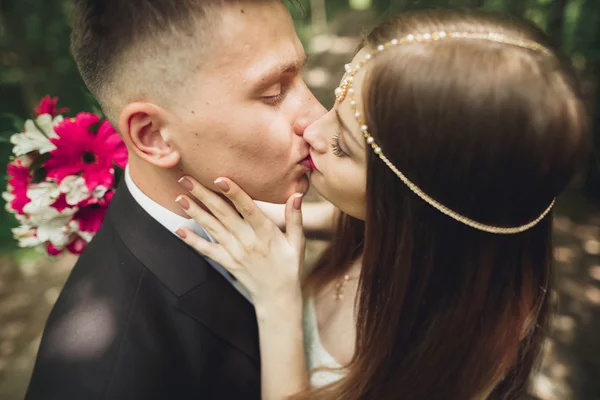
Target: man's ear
(141, 125)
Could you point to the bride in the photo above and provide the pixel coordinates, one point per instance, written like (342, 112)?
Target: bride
(451, 136)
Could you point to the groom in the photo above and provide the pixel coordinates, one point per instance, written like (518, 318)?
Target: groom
(207, 88)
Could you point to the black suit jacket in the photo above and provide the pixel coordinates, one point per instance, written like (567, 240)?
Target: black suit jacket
(143, 316)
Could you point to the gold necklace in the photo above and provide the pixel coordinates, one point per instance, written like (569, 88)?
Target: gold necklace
(339, 286)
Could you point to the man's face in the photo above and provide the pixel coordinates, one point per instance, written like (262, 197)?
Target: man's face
(246, 108)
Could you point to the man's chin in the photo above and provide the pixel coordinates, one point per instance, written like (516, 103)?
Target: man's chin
(281, 197)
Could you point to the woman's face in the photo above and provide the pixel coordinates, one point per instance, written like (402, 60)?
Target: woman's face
(338, 151)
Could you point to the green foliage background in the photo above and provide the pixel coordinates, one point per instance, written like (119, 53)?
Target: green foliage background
(35, 58)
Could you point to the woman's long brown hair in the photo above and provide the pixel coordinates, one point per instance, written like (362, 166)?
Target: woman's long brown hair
(494, 132)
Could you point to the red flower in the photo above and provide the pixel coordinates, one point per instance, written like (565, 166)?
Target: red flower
(48, 106)
(61, 203)
(79, 150)
(90, 217)
(19, 180)
(53, 251)
(77, 245)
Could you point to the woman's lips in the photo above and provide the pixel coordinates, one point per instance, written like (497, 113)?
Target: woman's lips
(308, 163)
(312, 163)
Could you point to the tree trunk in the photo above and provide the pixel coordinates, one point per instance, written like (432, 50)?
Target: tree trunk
(517, 7)
(556, 20)
(318, 14)
(592, 182)
(15, 34)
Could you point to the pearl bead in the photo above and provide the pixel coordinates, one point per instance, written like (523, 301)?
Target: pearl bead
(351, 90)
(442, 34)
(352, 102)
(350, 79)
(357, 114)
(357, 67)
(338, 92)
(348, 67)
(368, 56)
(378, 150)
(370, 140)
(410, 38)
(380, 47)
(427, 36)
(364, 128)
(394, 42)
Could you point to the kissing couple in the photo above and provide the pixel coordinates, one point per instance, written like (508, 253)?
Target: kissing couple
(451, 136)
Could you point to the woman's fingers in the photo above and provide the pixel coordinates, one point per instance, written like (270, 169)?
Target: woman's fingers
(293, 222)
(214, 251)
(219, 208)
(247, 208)
(214, 227)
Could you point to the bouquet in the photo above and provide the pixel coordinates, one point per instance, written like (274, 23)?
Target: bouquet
(61, 178)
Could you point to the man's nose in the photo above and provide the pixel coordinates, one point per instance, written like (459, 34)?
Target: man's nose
(313, 110)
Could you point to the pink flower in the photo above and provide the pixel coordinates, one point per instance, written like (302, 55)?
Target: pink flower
(77, 245)
(61, 203)
(48, 106)
(81, 151)
(90, 217)
(19, 180)
(52, 250)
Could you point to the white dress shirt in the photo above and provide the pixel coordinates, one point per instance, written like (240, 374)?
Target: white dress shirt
(172, 222)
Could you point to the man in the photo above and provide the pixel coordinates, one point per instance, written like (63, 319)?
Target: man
(207, 88)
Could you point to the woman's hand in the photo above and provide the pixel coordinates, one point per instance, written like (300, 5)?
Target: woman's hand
(319, 218)
(253, 249)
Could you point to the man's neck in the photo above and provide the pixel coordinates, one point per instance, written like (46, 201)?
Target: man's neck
(158, 184)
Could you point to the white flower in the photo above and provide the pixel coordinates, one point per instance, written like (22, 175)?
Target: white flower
(47, 124)
(75, 188)
(26, 235)
(8, 196)
(87, 236)
(74, 227)
(34, 139)
(53, 226)
(99, 192)
(42, 196)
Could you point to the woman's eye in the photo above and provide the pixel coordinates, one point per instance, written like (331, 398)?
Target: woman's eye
(335, 146)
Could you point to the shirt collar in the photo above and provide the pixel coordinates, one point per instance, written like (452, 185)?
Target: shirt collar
(164, 216)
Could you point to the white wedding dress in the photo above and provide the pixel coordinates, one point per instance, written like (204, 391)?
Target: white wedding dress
(316, 355)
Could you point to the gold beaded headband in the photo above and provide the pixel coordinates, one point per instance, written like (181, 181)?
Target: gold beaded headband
(346, 89)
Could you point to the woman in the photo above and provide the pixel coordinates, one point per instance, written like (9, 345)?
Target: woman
(451, 136)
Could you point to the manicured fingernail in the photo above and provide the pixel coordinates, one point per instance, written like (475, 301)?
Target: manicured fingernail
(222, 185)
(181, 233)
(182, 202)
(298, 201)
(186, 184)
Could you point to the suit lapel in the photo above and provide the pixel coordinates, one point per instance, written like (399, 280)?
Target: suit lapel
(203, 293)
(229, 315)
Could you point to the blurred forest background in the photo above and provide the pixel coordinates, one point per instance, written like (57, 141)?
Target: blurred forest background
(35, 58)
(35, 61)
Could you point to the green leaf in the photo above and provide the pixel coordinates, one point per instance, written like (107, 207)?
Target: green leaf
(39, 162)
(94, 128)
(39, 175)
(17, 122)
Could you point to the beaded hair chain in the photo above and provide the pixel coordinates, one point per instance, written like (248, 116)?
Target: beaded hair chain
(346, 90)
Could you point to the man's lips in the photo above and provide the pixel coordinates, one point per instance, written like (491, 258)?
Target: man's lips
(309, 163)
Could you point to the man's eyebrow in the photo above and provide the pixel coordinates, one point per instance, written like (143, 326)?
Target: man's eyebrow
(272, 73)
(343, 124)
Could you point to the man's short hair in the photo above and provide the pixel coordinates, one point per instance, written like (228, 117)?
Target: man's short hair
(130, 50)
